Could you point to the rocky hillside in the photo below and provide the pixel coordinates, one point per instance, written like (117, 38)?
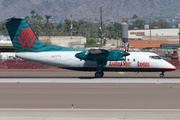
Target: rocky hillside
(89, 9)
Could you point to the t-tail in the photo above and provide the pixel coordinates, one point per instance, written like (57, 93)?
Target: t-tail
(24, 39)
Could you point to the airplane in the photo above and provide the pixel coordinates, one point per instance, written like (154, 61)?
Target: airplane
(28, 47)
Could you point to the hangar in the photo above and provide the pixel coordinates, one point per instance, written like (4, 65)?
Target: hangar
(154, 34)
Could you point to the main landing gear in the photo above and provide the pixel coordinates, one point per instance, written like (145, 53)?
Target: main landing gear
(162, 74)
(99, 72)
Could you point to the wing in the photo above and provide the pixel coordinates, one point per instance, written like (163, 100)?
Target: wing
(101, 55)
(97, 51)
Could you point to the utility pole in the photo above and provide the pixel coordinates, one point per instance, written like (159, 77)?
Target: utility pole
(101, 25)
(179, 32)
(179, 35)
(150, 32)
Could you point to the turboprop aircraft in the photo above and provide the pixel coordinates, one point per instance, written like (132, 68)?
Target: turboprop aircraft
(29, 48)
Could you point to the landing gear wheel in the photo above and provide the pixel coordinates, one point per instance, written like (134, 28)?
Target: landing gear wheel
(99, 74)
(102, 74)
(161, 75)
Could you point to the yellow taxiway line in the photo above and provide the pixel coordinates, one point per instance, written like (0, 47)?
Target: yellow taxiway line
(122, 73)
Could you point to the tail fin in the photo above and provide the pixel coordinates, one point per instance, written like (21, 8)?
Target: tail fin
(24, 39)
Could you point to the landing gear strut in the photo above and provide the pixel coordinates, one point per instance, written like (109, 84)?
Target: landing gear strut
(162, 74)
(99, 72)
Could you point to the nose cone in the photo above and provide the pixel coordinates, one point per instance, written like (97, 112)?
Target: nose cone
(170, 66)
(173, 67)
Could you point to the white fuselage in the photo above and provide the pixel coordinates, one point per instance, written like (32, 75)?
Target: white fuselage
(136, 61)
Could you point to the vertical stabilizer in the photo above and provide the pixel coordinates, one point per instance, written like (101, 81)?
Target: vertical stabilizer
(22, 36)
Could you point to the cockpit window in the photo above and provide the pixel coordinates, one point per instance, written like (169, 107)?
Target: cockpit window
(155, 57)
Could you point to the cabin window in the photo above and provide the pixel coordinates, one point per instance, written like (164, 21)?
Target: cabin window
(127, 59)
(155, 57)
(134, 60)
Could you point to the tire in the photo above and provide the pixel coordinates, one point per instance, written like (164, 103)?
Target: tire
(98, 74)
(102, 74)
(161, 75)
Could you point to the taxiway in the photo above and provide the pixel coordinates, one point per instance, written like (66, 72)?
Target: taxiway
(49, 94)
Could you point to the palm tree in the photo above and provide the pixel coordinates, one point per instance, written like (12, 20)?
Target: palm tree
(50, 28)
(117, 27)
(68, 24)
(33, 12)
(39, 18)
(110, 28)
(135, 16)
(27, 18)
(47, 18)
(37, 30)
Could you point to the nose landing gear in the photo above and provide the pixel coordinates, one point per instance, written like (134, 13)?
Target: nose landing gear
(162, 74)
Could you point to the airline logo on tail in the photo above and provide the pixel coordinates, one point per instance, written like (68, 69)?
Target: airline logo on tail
(27, 37)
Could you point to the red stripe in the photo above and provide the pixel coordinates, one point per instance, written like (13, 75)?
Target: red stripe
(122, 68)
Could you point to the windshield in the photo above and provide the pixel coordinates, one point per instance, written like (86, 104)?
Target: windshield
(155, 57)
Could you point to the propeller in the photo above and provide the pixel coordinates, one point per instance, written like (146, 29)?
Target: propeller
(126, 51)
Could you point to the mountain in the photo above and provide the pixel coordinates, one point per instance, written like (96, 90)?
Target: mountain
(113, 10)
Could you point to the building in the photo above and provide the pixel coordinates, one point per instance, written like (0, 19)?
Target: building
(154, 34)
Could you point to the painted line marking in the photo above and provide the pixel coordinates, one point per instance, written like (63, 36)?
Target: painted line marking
(122, 73)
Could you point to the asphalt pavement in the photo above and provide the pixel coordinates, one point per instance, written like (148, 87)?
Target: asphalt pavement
(30, 97)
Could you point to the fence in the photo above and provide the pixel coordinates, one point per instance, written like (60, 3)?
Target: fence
(22, 64)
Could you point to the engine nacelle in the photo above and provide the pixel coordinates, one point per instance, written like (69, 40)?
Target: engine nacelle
(112, 55)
